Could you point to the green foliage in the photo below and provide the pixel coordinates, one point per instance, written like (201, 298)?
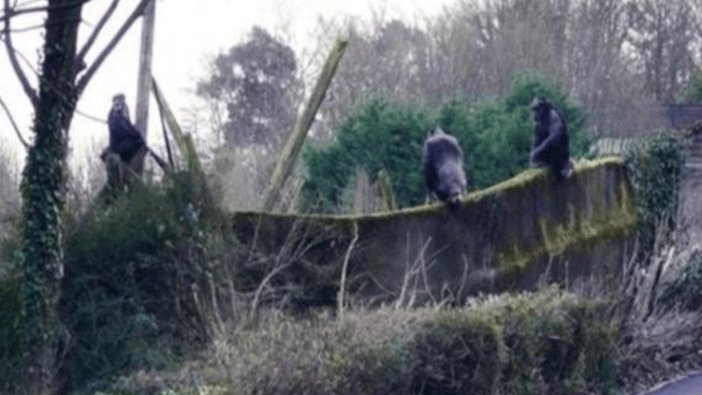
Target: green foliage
(10, 333)
(377, 136)
(127, 292)
(655, 171)
(495, 136)
(10, 311)
(545, 343)
(564, 339)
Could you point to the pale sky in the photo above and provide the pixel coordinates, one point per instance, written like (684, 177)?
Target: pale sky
(187, 33)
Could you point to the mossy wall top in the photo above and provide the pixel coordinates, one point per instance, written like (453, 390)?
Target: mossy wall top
(510, 235)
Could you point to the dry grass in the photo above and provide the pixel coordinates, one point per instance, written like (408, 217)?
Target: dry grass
(661, 337)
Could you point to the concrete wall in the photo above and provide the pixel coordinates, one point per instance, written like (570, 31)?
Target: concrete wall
(508, 236)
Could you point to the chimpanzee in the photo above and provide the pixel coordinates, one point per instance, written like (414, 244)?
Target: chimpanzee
(442, 165)
(550, 147)
(125, 139)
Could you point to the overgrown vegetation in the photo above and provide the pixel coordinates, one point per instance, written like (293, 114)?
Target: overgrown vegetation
(145, 275)
(662, 328)
(10, 333)
(127, 301)
(130, 265)
(495, 136)
(655, 170)
(151, 278)
(685, 289)
(546, 343)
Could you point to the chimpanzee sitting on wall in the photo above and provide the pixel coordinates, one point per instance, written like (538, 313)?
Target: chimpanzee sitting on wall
(442, 165)
(550, 147)
(125, 139)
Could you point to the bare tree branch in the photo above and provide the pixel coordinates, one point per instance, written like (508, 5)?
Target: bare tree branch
(31, 93)
(11, 12)
(53, 88)
(26, 29)
(90, 72)
(14, 124)
(98, 28)
(27, 63)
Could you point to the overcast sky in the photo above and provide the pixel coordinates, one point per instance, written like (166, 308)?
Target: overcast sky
(187, 33)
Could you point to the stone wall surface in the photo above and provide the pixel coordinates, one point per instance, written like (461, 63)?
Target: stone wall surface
(511, 236)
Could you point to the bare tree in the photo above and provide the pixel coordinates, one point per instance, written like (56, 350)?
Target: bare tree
(664, 36)
(385, 58)
(621, 60)
(63, 77)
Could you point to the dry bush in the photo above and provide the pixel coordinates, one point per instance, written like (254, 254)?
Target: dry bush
(548, 343)
(660, 332)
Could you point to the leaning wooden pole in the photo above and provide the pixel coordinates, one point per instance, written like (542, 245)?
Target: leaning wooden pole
(141, 115)
(294, 144)
(141, 112)
(387, 194)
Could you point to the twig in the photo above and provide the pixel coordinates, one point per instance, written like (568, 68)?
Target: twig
(411, 273)
(159, 161)
(405, 278)
(14, 124)
(26, 86)
(96, 31)
(344, 269)
(464, 275)
(215, 305)
(90, 72)
(257, 296)
(11, 12)
(425, 278)
(57, 91)
(165, 138)
(656, 279)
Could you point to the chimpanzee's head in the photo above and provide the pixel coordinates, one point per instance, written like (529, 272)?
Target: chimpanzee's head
(540, 108)
(435, 131)
(119, 105)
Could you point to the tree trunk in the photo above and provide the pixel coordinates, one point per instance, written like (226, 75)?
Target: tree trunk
(43, 192)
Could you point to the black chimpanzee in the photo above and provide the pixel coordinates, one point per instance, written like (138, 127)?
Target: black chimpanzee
(125, 139)
(550, 147)
(442, 164)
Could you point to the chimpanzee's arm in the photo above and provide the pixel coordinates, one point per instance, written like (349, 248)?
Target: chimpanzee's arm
(125, 126)
(556, 128)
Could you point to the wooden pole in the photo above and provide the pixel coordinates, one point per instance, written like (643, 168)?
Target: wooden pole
(387, 194)
(141, 117)
(292, 148)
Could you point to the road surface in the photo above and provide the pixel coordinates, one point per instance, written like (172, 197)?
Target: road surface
(691, 385)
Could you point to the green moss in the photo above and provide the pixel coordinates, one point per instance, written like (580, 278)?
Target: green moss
(519, 182)
(576, 231)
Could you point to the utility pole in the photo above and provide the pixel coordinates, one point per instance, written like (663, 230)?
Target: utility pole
(141, 117)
